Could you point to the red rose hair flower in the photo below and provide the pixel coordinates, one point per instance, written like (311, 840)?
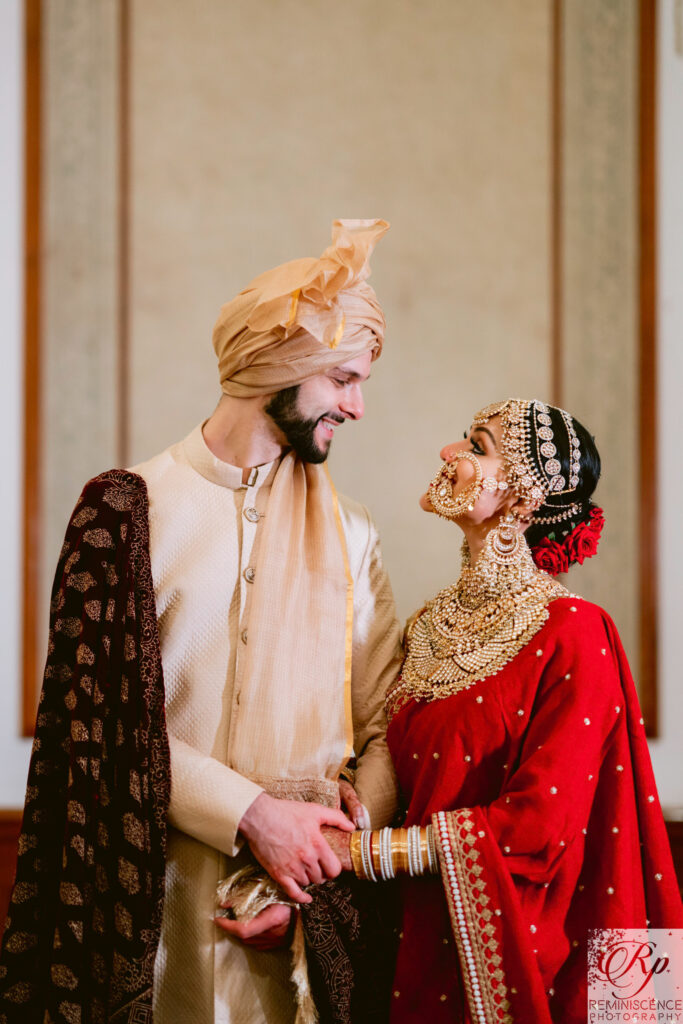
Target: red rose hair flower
(550, 556)
(581, 542)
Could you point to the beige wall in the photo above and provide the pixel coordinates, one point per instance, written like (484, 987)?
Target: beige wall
(80, 244)
(600, 284)
(254, 127)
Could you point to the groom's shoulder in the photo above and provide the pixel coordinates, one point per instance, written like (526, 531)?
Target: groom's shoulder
(360, 532)
(355, 517)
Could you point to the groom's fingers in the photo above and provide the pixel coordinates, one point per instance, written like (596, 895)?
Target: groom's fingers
(330, 816)
(329, 861)
(293, 890)
(266, 929)
(314, 872)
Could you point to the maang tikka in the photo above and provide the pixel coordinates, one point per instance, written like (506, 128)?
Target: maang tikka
(441, 487)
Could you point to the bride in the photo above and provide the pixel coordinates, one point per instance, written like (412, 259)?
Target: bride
(532, 815)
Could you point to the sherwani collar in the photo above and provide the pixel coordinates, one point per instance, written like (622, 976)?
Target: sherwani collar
(202, 459)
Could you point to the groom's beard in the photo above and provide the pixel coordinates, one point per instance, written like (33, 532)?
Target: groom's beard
(299, 431)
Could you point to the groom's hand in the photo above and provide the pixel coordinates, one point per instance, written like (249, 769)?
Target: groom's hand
(268, 930)
(285, 838)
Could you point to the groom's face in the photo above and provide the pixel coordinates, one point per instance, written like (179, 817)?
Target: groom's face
(308, 414)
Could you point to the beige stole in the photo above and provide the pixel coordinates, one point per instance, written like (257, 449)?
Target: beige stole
(298, 656)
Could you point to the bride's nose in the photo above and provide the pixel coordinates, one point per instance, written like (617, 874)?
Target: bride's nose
(449, 451)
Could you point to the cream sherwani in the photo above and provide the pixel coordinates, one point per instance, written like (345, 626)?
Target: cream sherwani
(204, 537)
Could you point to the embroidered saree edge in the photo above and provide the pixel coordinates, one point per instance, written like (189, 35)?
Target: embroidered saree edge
(471, 918)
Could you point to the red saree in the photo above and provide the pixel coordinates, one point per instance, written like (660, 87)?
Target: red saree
(552, 827)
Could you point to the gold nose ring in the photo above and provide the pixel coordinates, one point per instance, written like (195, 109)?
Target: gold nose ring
(441, 488)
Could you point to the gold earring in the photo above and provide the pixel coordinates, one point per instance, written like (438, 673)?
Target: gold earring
(506, 539)
(441, 488)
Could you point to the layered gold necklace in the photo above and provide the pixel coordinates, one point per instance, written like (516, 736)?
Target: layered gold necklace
(475, 627)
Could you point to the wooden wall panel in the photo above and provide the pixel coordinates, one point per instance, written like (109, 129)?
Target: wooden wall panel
(10, 824)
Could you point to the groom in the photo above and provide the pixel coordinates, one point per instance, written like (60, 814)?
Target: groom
(276, 628)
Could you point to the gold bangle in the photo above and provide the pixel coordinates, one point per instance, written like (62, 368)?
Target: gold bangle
(354, 850)
(399, 850)
(424, 851)
(431, 848)
(348, 775)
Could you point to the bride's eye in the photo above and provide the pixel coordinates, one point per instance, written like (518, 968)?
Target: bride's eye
(477, 448)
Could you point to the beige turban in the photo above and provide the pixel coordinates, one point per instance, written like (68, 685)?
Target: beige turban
(303, 317)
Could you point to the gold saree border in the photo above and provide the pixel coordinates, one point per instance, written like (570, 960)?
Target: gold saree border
(348, 641)
(472, 919)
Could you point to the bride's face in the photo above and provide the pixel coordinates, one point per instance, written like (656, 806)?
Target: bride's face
(484, 443)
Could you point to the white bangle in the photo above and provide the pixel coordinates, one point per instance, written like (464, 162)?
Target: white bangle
(382, 855)
(380, 848)
(366, 855)
(385, 858)
(414, 853)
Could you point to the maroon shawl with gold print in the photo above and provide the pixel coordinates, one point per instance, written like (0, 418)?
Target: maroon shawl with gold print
(85, 912)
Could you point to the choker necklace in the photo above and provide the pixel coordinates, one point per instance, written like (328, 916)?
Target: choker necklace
(473, 628)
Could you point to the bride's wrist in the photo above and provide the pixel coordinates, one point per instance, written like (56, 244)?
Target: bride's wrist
(381, 855)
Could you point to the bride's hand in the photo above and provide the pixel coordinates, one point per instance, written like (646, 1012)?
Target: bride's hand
(340, 843)
(357, 812)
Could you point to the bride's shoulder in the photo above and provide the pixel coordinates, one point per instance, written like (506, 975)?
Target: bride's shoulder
(575, 616)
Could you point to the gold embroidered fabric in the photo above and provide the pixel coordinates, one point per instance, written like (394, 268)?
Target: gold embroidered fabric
(470, 630)
(472, 919)
(309, 790)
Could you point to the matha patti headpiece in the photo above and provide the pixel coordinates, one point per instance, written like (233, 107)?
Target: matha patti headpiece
(529, 453)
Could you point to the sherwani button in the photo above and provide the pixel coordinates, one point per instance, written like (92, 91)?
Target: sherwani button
(252, 515)
(250, 574)
(244, 635)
